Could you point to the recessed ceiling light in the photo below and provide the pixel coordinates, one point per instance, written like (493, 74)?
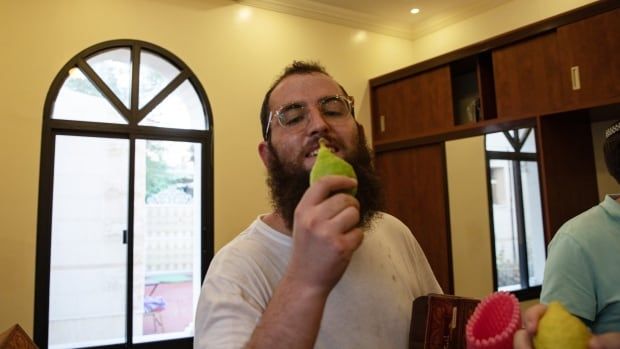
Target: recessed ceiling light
(415, 10)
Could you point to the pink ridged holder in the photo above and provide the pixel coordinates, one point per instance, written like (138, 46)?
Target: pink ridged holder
(494, 322)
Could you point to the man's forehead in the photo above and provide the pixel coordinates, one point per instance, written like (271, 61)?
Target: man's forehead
(304, 86)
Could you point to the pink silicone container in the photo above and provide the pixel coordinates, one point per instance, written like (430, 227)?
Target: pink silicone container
(494, 322)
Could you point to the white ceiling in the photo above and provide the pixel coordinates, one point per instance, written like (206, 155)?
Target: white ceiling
(390, 17)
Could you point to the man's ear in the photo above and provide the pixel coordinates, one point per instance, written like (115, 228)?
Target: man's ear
(265, 153)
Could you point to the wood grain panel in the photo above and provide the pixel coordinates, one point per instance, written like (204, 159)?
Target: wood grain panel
(568, 171)
(527, 78)
(413, 106)
(415, 186)
(593, 45)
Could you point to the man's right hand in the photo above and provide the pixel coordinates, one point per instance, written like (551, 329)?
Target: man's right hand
(325, 233)
(523, 338)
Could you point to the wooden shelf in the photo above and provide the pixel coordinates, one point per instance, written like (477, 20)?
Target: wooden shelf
(456, 132)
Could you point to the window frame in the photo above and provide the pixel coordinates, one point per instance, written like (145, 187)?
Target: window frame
(131, 131)
(527, 292)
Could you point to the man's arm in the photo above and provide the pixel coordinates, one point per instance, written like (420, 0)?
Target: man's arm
(324, 239)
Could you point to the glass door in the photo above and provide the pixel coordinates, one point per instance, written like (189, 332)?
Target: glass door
(88, 269)
(167, 235)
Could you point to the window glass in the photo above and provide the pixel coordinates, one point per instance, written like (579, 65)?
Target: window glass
(155, 74)
(505, 229)
(529, 146)
(167, 238)
(532, 211)
(88, 269)
(78, 99)
(114, 68)
(497, 142)
(518, 235)
(181, 109)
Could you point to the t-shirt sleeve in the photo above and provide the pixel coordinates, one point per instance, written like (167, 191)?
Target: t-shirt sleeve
(424, 281)
(568, 278)
(426, 277)
(226, 315)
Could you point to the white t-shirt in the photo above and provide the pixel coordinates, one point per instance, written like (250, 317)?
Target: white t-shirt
(370, 307)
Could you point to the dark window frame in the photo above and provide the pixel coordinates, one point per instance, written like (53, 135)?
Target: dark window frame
(131, 131)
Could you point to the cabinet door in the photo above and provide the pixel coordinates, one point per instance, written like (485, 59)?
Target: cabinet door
(527, 78)
(413, 106)
(415, 188)
(593, 47)
(568, 168)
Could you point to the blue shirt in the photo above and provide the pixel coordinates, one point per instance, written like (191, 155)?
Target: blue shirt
(583, 267)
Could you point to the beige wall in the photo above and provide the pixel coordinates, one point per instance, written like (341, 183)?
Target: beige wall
(235, 60)
(469, 217)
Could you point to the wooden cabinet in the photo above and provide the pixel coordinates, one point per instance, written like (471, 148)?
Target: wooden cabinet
(473, 94)
(568, 171)
(575, 66)
(415, 188)
(590, 59)
(527, 78)
(565, 63)
(412, 106)
(524, 75)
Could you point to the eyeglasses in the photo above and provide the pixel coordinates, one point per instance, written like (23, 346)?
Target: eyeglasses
(295, 116)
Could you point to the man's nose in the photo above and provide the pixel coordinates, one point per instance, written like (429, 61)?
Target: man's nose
(316, 121)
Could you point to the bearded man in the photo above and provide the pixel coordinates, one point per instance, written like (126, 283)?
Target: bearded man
(325, 269)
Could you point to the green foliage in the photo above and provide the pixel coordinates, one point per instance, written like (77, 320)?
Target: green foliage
(158, 174)
(161, 176)
(83, 86)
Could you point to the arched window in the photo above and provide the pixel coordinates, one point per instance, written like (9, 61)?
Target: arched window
(125, 221)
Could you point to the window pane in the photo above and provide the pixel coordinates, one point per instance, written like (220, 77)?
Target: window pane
(532, 212)
(530, 143)
(155, 74)
(167, 226)
(78, 99)
(497, 142)
(181, 109)
(114, 68)
(505, 227)
(88, 270)
(498, 185)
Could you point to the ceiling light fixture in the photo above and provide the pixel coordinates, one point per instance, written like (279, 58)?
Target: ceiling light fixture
(415, 10)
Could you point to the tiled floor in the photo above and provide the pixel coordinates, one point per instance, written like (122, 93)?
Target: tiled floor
(177, 313)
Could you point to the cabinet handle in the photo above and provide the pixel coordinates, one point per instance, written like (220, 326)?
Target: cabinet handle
(574, 76)
(382, 123)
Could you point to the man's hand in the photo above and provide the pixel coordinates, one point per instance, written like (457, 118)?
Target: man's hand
(523, 338)
(610, 340)
(325, 233)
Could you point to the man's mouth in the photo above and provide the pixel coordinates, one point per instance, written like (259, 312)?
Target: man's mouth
(316, 151)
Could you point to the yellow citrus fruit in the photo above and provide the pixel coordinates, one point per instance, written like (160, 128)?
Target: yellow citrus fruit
(328, 163)
(560, 329)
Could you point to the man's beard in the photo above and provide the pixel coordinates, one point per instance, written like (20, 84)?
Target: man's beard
(288, 183)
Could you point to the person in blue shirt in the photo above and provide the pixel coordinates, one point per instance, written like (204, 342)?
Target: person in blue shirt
(582, 270)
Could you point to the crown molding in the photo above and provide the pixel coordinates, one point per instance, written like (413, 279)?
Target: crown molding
(332, 14)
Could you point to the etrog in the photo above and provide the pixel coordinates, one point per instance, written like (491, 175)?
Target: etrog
(328, 163)
(560, 329)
